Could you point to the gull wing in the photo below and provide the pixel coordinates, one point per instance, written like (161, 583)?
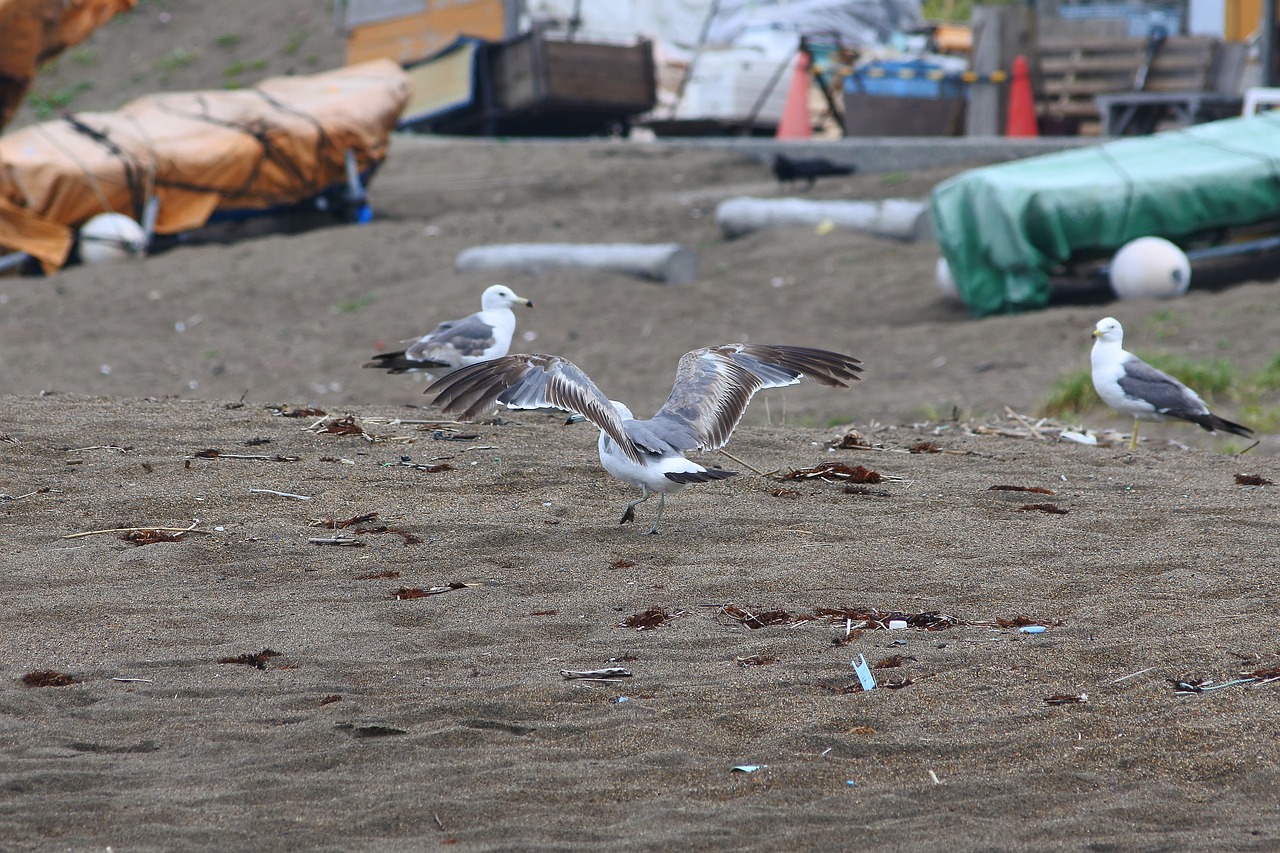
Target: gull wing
(531, 381)
(1164, 393)
(453, 340)
(714, 385)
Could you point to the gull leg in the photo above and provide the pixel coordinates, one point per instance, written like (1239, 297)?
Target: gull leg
(1133, 442)
(662, 502)
(629, 514)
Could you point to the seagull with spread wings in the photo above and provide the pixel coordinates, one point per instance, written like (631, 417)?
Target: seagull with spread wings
(456, 343)
(712, 388)
(1132, 387)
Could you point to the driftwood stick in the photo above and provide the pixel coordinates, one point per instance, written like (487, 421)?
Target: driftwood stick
(177, 530)
(281, 494)
(743, 463)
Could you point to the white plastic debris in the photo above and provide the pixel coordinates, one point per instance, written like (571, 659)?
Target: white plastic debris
(863, 671)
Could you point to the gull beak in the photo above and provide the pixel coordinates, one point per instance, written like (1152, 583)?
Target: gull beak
(524, 301)
(574, 419)
(1095, 334)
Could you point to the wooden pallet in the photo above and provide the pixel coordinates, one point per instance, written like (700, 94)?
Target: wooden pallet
(1073, 72)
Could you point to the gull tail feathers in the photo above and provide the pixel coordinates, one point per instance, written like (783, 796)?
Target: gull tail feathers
(706, 475)
(395, 362)
(1213, 423)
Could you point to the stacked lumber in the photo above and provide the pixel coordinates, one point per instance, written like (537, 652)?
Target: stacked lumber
(1073, 71)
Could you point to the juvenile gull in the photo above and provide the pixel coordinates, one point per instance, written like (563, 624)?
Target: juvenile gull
(712, 388)
(1129, 385)
(457, 343)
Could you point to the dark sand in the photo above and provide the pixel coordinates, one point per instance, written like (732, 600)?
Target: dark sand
(389, 724)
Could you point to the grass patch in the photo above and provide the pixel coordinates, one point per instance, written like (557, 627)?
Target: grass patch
(83, 56)
(293, 43)
(235, 69)
(229, 41)
(1071, 395)
(47, 106)
(356, 304)
(1260, 418)
(175, 59)
(1164, 324)
(1268, 379)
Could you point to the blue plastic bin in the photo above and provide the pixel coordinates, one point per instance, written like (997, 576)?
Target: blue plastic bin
(916, 78)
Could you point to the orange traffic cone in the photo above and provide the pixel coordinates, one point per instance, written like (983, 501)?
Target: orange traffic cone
(1021, 120)
(795, 122)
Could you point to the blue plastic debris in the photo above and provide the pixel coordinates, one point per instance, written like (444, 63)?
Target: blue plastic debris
(1032, 629)
(620, 700)
(850, 783)
(749, 768)
(865, 678)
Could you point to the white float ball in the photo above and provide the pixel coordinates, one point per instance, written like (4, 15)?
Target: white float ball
(111, 237)
(945, 280)
(1150, 267)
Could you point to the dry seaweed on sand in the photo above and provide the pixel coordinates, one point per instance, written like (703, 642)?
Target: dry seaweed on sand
(258, 660)
(151, 537)
(345, 425)
(1039, 490)
(1252, 480)
(407, 592)
(338, 524)
(1067, 699)
(1052, 509)
(835, 472)
(296, 411)
(647, 620)
(47, 678)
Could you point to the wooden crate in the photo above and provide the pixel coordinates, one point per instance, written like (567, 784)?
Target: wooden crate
(534, 73)
(1073, 72)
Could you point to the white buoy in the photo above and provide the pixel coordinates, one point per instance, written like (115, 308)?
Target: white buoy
(111, 237)
(1150, 267)
(946, 281)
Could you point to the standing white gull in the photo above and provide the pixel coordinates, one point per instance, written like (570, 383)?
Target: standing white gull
(712, 388)
(456, 343)
(1129, 385)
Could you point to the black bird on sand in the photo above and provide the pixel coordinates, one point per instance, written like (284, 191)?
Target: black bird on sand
(787, 169)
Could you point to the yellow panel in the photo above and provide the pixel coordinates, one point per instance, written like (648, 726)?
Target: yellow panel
(1242, 19)
(440, 84)
(417, 36)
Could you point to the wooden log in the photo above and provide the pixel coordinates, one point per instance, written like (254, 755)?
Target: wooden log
(899, 219)
(669, 263)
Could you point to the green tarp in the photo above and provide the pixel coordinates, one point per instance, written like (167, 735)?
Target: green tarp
(1006, 229)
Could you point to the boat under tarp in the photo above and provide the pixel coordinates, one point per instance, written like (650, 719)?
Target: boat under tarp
(1006, 230)
(198, 154)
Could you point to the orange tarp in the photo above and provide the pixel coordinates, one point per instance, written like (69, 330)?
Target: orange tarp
(281, 142)
(35, 31)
